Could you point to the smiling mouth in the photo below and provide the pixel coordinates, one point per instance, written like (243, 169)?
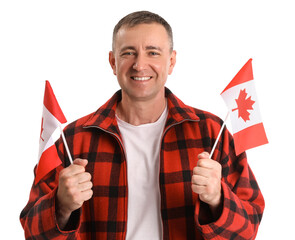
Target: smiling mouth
(141, 78)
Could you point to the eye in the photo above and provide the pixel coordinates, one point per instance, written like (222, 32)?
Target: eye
(128, 53)
(154, 53)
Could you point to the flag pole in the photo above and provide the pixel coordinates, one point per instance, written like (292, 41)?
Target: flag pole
(66, 145)
(219, 134)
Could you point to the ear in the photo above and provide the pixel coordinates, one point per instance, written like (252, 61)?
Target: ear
(112, 62)
(172, 61)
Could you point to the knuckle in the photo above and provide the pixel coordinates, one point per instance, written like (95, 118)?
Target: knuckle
(87, 195)
(87, 186)
(194, 179)
(215, 174)
(68, 182)
(88, 176)
(90, 194)
(200, 162)
(72, 192)
(194, 188)
(79, 168)
(76, 168)
(62, 174)
(76, 197)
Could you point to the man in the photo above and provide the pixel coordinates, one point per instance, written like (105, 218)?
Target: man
(142, 168)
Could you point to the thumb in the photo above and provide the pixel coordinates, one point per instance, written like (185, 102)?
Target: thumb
(80, 162)
(203, 155)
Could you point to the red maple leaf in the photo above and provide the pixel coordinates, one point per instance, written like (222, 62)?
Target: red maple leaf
(244, 105)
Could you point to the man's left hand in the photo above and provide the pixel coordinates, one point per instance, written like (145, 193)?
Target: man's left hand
(206, 180)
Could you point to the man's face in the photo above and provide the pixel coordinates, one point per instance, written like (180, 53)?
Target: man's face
(142, 60)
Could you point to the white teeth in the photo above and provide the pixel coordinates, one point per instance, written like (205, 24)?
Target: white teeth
(141, 78)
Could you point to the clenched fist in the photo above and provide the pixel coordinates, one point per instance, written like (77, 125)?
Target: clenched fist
(206, 180)
(73, 189)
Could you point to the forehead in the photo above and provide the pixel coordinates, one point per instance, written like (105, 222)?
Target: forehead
(153, 34)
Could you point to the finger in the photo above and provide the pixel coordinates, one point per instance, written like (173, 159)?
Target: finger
(84, 177)
(203, 155)
(77, 167)
(87, 195)
(85, 186)
(205, 163)
(198, 189)
(205, 172)
(81, 162)
(71, 170)
(208, 163)
(199, 180)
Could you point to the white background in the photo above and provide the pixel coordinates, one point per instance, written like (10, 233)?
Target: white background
(67, 42)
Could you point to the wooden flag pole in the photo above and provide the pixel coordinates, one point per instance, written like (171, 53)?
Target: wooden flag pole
(66, 145)
(219, 134)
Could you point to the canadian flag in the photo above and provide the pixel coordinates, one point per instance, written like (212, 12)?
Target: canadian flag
(241, 100)
(52, 118)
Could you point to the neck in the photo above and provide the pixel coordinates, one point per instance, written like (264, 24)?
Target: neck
(140, 112)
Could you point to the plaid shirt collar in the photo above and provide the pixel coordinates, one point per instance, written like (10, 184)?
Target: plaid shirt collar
(104, 118)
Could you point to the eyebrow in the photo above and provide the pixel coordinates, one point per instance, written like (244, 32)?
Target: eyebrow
(153, 48)
(150, 47)
(127, 48)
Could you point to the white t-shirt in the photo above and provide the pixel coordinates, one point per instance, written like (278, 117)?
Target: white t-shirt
(142, 146)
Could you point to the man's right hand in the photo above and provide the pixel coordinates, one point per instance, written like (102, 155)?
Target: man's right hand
(73, 189)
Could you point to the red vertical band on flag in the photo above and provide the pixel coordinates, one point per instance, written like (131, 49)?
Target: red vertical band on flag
(52, 105)
(250, 137)
(244, 75)
(47, 162)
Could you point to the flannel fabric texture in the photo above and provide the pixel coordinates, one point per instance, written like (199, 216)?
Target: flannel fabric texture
(188, 132)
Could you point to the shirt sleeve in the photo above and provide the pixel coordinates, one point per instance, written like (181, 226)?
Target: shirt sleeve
(243, 203)
(38, 218)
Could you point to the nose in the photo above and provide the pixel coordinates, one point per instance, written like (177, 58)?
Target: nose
(139, 62)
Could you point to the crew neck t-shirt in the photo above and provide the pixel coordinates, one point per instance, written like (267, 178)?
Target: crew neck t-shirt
(142, 147)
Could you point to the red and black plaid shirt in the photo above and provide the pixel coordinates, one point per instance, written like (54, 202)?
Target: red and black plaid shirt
(187, 133)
